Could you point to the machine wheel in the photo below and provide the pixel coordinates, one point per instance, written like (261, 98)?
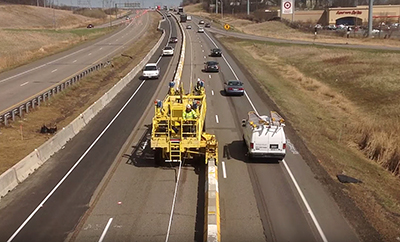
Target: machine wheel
(158, 157)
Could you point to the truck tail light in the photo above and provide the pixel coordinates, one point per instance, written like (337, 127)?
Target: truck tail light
(284, 146)
(251, 145)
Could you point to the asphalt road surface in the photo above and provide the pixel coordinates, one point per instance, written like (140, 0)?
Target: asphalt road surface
(77, 170)
(24, 82)
(272, 201)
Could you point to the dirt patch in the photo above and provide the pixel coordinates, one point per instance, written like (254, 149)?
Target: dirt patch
(334, 103)
(65, 107)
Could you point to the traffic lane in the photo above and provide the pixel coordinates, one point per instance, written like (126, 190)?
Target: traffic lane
(326, 211)
(139, 195)
(240, 221)
(33, 80)
(29, 194)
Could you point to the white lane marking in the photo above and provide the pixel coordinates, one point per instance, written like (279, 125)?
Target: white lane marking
(105, 230)
(90, 54)
(205, 57)
(202, 50)
(223, 169)
(173, 202)
(212, 92)
(101, 48)
(159, 58)
(209, 76)
(74, 61)
(201, 45)
(73, 167)
(216, 118)
(54, 70)
(309, 210)
(23, 84)
(321, 233)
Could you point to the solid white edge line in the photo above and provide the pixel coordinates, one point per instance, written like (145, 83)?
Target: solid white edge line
(173, 202)
(224, 169)
(216, 118)
(103, 235)
(309, 210)
(74, 166)
(321, 233)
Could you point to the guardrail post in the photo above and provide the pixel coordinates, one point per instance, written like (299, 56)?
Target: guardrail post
(27, 107)
(5, 118)
(21, 109)
(13, 115)
(38, 100)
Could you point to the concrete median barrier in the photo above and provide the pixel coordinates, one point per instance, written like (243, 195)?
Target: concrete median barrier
(8, 181)
(212, 216)
(27, 166)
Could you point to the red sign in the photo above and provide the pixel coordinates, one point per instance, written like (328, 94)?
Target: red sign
(353, 12)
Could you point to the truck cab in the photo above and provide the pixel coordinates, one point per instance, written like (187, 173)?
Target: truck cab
(264, 135)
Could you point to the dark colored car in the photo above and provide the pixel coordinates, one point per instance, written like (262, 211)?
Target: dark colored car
(90, 26)
(207, 25)
(173, 40)
(216, 52)
(211, 66)
(234, 87)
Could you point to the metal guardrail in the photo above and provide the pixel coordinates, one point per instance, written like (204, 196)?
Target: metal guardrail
(19, 109)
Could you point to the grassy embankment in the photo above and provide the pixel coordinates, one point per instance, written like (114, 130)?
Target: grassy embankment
(65, 107)
(344, 105)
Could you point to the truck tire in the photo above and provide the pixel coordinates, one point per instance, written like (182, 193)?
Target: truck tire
(158, 157)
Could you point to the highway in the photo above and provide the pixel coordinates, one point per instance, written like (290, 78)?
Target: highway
(260, 201)
(49, 205)
(24, 82)
(117, 193)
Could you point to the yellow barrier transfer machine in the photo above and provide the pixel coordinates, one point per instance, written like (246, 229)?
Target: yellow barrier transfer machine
(174, 139)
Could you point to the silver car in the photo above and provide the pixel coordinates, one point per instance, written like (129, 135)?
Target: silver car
(234, 87)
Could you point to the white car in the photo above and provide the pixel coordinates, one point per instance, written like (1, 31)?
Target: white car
(189, 18)
(151, 70)
(200, 30)
(189, 27)
(168, 50)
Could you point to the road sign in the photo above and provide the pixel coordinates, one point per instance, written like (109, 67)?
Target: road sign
(287, 7)
(227, 27)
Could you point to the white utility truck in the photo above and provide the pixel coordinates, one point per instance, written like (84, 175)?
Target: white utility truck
(264, 136)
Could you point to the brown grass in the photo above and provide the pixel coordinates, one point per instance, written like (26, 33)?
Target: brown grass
(65, 107)
(276, 29)
(343, 104)
(39, 43)
(28, 17)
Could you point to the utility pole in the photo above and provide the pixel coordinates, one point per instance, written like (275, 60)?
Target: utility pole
(248, 7)
(222, 9)
(216, 6)
(370, 14)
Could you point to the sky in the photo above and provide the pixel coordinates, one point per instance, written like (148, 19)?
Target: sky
(99, 3)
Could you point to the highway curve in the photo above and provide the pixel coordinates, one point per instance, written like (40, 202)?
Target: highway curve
(26, 81)
(22, 217)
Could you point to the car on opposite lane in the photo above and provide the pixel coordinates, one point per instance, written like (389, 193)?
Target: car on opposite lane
(216, 52)
(200, 30)
(207, 25)
(201, 22)
(189, 27)
(173, 40)
(211, 66)
(233, 87)
(168, 50)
